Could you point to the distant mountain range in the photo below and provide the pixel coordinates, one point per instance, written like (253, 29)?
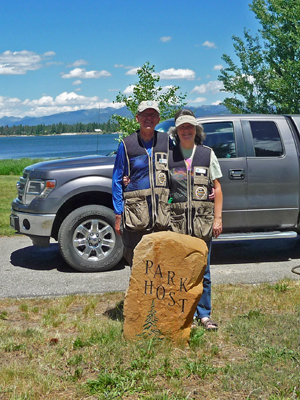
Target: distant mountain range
(93, 115)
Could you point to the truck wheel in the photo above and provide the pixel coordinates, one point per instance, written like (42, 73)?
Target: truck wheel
(87, 239)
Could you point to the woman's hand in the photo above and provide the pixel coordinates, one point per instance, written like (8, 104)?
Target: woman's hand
(126, 180)
(217, 227)
(218, 203)
(212, 196)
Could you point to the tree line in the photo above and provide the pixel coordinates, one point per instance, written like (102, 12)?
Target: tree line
(57, 129)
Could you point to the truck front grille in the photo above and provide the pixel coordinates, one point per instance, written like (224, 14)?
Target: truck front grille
(21, 185)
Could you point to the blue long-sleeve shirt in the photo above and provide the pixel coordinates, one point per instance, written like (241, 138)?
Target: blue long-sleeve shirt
(120, 170)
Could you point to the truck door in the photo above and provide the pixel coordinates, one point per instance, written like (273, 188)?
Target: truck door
(273, 173)
(226, 139)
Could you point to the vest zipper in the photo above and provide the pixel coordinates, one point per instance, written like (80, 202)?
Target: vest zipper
(189, 213)
(189, 195)
(151, 179)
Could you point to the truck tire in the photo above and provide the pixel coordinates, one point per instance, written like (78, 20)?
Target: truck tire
(87, 240)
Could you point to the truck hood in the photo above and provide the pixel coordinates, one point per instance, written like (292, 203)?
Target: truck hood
(95, 165)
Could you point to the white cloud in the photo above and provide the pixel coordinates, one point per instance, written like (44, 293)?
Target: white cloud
(9, 106)
(43, 101)
(78, 63)
(165, 39)
(211, 45)
(73, 98)
(19, 62)
(48, 105)
(49, 54)
(78, 82)
(83, 74)
(218, 67)
(172, 73)
(9, 101)
(212, 86)
(129, 90)
(132, 71)
(216, 103)
(124, 66)
(55, 63)
(198, 100)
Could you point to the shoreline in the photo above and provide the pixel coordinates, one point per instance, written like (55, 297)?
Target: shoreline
(65, 134)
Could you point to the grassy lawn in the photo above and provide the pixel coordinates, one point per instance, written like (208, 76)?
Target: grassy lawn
(72, 348)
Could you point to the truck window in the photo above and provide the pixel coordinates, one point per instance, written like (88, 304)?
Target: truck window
(266, 139)
(220, 137)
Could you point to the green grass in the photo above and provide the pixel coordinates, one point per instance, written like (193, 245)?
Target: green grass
(10, 172)
(7, 193)
(72, 348)
(15, 167)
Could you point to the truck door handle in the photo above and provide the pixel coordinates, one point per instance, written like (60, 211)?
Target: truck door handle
(237, 174)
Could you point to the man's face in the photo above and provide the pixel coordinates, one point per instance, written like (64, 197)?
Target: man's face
(148, 119)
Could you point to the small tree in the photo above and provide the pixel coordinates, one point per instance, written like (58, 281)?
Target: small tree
(268, 77)
(169, 102)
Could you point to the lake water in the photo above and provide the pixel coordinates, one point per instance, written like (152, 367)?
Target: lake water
(57, 146)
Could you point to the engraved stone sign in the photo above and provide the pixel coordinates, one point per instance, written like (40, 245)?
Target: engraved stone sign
(165, 286)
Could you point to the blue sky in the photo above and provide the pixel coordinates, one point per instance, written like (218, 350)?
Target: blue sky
(63, 55)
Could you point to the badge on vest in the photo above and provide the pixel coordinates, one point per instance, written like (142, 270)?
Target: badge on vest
(161, 179)
(200, 193)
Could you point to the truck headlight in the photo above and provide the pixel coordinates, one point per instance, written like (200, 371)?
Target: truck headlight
(39, 188)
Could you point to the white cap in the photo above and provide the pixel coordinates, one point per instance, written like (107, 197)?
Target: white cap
(144, 105)
(185, 119)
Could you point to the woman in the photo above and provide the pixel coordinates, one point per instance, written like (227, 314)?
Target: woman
(194, 170)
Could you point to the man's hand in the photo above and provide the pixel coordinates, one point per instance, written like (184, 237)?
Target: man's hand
(118, 225)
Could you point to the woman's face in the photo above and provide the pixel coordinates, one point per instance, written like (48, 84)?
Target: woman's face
(186, 133)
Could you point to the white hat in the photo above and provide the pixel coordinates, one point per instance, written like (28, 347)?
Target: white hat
(185, 119)
(144, 105)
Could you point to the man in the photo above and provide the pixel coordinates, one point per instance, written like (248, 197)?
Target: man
(140, 207)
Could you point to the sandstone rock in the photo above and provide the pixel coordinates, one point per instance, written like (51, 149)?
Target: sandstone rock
(165, 286)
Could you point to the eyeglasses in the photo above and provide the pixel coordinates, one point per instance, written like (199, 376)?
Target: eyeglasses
(148, 115)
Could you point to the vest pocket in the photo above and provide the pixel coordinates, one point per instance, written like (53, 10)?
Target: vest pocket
(163, 215)
(136, 213)
(203, 221)
(178, 218)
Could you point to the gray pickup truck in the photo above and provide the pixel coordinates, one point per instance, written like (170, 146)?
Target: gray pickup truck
(70, 200)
